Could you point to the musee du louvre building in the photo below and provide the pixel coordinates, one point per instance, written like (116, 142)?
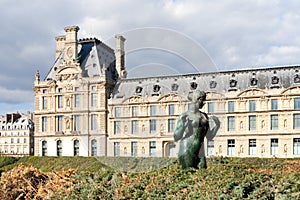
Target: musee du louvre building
(86, 106)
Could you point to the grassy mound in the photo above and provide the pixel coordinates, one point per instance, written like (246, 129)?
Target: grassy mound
(225, 178)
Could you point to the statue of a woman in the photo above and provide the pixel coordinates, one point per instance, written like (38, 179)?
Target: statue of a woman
(191, 129)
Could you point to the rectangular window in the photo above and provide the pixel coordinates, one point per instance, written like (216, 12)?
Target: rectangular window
(274, 104)
(230, 106)
(297, 103)
(60, 101)
(252, 122)
(76, 100)
(76, 122)
(45, 103)
(274, 146)
(274, 122)
(210, 147)
(133, 148)
(93, 88)
(252, 105)
(296, 121)
(152, 126)
(117, 112)
(59, 123)
(44, 124)
(134, 126)
(116, 148)
(93, 121)
(93, 99)
(152, 110)
(117, 129)
(296, 146)
(210, 107)
(230, 147)
(171, 125)
(252, 146)
(231, 123)
(171, 109)
(152, 148)
(134, 111)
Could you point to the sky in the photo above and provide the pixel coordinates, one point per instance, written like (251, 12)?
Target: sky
(174, 36)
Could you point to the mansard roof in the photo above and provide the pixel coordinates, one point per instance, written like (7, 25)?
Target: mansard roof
(219, 82)
(16, 119)
(94, 58)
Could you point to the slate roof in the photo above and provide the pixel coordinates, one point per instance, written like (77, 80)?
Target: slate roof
(93, 55)
(223, 81)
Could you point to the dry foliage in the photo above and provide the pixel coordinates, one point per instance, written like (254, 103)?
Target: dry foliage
(27, 182)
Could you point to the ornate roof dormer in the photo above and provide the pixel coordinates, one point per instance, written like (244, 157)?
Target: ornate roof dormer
(68, 70)
(253, 80)
(232, 83)
(275, 81)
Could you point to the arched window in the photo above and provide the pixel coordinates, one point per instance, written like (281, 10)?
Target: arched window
(76, 148)
(94, 147)
(59, 148)
(44, 148)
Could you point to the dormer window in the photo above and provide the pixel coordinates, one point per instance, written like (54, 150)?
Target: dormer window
(174, 87)
(275, 80)
(138, 89)
(232, 83)
(156, 88)
(194, 85)
(297, 78)
(253, 81)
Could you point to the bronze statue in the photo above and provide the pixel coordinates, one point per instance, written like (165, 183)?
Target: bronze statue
(191, 129)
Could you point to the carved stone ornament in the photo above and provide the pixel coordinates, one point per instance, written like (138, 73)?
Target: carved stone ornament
(37, 75)
(174, 87)
(70, 52)
(69, 87)
(212, 84)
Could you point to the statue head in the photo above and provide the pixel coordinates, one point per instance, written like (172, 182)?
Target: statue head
(197, 96)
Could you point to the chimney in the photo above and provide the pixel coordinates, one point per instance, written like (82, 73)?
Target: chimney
(120, 56)
(60, 44)
(71, 42)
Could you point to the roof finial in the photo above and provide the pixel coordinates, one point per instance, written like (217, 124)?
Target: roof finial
(37, 75)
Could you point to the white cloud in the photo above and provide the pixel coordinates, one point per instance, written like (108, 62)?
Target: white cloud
(281, 55)
(14, 96)
(234, 33)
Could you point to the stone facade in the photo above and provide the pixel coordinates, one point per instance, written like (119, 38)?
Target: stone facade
(258, 110)
(16, 134)
(71, 101)
(86, 106)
